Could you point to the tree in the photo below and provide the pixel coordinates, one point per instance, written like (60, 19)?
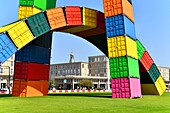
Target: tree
(85, 83)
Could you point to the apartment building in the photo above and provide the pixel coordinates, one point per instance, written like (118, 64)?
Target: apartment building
(6, 72)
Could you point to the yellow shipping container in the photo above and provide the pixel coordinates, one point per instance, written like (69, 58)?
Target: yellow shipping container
(7, 27)
(154, 89)
(160, 85)
(20, 34)
(89, 17)
(149, 89)
(89, 21)
(25, 11)
(122, 46)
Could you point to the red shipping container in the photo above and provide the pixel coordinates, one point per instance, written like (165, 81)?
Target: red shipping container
(31, 71)
(146, 60)
(126, 88)
(73, 15)
(101, 21)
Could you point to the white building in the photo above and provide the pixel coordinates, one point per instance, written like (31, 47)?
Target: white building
(68, 75)
(6, 71)
(165, 73)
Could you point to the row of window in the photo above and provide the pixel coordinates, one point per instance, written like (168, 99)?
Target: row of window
(77, 80)
(97, 65)
(97, 71)
(68, 72)
(97, 59)
(3, 70)
(68, 66)
(98, 75)
(66, 80)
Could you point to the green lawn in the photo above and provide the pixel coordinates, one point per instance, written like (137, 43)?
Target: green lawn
(84, 103)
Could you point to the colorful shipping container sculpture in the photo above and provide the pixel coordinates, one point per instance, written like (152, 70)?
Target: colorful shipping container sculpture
(132, 70)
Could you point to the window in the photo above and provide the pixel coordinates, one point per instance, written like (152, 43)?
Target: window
(12, 71)
(1, 70)
(78, 71)
(98, 59)
(89, 65)
(89, 71)
(104, 59)
(12, 63)
(104, 65)
(82, 65)
(104, 70)
(58, 72)
(74, 71)
(98, 65)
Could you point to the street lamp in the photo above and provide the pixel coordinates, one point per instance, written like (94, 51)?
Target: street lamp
(8, 76)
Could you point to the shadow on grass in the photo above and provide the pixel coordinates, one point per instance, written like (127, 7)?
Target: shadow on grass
(5, 95)
(98, 95)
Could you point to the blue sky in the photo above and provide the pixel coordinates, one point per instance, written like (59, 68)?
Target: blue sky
(152, 22)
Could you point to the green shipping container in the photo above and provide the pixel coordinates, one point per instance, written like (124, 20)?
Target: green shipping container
(140, 49)
(26, 2)
(41, 4)
(38, 24)
(154, 72)
(122, 67)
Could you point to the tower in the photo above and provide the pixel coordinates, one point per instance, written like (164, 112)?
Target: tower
(71, 58)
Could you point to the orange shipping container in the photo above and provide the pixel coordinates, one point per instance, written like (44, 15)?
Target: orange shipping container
(56, 18)
(19, 88)
(30, 88)
(37, 88)
(116, 7)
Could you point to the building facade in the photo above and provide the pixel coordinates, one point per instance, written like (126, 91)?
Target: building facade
(165, 72)
(68, 75)
(6, 72)
(99, 67)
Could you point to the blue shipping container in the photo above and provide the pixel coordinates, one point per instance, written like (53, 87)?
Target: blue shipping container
(36, 54)
(120, 25)
(7, 48)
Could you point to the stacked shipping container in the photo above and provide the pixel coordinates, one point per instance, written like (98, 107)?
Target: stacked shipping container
(151, 80)
(122, 49)
(88, 24)
(32, 62)
(20, 34)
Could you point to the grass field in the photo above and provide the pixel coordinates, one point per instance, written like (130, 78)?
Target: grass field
(84, 103)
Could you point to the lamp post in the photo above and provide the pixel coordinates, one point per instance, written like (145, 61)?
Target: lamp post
(8, 76)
